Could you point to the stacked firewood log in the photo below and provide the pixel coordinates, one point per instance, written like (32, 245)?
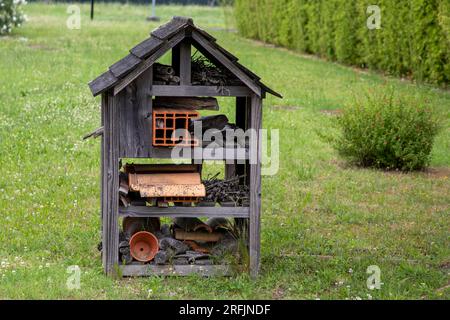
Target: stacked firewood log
(164, 75)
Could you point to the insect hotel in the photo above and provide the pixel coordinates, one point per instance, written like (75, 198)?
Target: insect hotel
(164, 218)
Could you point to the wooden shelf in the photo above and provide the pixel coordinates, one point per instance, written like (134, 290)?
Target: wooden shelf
(174, 270)
(204, 153)
(205, 91)
(185, 212)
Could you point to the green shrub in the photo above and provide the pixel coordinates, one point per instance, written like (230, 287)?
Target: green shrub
(11, 15)
(413, 41)
(388, 132)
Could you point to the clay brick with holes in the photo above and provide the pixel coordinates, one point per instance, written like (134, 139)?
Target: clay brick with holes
(166, 121)
(182, 199)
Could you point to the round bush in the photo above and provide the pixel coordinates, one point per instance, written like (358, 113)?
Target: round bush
(11, 15)
(387, 132)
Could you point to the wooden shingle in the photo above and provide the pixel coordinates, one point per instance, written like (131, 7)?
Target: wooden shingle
(124, 66)
(102, 83)
(169, 29)
(146, 47)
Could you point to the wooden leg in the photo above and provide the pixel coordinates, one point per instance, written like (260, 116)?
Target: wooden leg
(255, 188)
(110, 225)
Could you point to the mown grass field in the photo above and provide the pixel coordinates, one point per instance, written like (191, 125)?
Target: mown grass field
(324, 222)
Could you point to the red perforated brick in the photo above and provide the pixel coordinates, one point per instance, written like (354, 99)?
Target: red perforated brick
(166, 121)
(182, 199)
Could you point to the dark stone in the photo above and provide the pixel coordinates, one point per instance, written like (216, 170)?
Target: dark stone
(171, 243)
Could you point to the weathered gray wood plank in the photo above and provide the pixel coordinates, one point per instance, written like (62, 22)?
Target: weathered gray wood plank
(185, 63)
(255, 189)
(191, 103)
(176, 58)
(175, 270)
(206, 153)
(104, 175)
(135, 118)
(125, 65)
(110, 218)
(242, 113)
(171, 28)
(205, 34)
(206, 91)
(238, 212)
(242, 121)
(148, 62)
(102, 83)
(146, 47)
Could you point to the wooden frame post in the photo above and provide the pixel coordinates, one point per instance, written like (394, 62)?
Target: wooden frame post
(243, 122)
(240, 168)
(110, 184)
(182, 61)
(185, 63)
(255, 188)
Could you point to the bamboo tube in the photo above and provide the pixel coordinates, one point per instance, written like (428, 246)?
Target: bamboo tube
(197, 236)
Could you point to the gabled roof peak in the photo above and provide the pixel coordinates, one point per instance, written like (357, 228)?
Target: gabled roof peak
(186, 20)
(163, 39)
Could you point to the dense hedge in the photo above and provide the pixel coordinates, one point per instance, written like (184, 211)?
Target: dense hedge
(414, 39)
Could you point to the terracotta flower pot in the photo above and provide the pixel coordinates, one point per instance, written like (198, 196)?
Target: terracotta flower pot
(143, 246)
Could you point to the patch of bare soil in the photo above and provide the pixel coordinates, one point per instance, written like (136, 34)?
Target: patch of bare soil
(287, 108)
(428, 172)
(331, 113)
(438, 172)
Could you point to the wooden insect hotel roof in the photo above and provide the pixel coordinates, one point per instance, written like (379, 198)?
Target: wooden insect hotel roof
(163, 39)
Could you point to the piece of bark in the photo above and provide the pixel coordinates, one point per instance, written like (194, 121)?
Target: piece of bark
(171, 243)
(190, 103)
(196, 247)
(218, 122)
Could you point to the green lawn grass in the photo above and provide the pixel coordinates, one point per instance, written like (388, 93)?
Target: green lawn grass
(323, 222)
